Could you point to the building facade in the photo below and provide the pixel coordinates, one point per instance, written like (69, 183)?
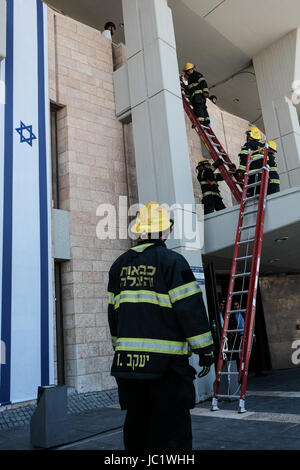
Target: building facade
(104, 131)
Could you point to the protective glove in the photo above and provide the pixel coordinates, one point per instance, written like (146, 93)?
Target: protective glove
(239, 176)
(218, 162)
(205, 360)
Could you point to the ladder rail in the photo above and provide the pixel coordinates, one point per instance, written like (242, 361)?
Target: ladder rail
(231, 285)
(210, 146)
(249, 321)
(253, 283)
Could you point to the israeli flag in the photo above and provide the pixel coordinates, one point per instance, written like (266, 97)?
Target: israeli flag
(26, 308)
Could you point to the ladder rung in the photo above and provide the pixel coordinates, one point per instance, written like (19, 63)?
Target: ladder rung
(246, 241)
(228, 396)
(254, 172)
(236, 311)
(247, 199)
(222, 153)
(239, 292)
(241, 275)
(205, 127)
(258, 158)
(229, 373)
(216, 145)
(252, 185)
(233, 331)
(248, 227)
(250, 212)
(243, 257)
(231, 351)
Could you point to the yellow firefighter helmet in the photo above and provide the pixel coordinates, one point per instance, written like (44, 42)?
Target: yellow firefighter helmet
(152, 218)
(188, 66)
(254, 133)
(202, 162)
(272, 145)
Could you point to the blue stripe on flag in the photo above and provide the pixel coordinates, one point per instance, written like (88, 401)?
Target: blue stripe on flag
(7, 209)
(43, 189)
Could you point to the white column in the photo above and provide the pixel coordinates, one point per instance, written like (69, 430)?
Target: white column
(276, 68)
(161, 147)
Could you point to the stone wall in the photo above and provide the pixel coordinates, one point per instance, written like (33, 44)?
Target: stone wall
(97, 165)
(230, 130)
(281, 301)
(91, 172)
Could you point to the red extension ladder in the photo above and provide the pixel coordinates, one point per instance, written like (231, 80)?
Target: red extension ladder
(245, 267)
(212, 144)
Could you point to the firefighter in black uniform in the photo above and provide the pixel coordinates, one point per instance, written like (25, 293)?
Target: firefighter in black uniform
(157, 319)
(274, 182)
(198, 90)
(257, 154)
(212, 199)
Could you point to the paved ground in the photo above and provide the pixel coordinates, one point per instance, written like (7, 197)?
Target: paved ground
(272, 422)
(77, 403)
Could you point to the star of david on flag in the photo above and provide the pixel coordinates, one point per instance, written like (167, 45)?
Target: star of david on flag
(28, 130)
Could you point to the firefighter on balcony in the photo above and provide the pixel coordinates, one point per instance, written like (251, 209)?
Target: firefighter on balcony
(274, 182)
(208, 179)
(157, 318)
(256, 148)
(198, 92)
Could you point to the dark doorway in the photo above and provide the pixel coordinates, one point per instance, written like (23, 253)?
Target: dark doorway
(216, 291)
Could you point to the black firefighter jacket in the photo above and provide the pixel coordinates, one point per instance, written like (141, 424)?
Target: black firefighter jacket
(156, 312)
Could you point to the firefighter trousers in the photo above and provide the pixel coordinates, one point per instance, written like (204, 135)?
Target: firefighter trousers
(200, 109)
(273, 188)
(158, 415)
(212, 203)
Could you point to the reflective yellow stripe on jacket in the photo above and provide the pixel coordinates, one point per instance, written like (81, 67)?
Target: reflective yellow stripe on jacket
(200, 341)
(147, 296)
(111, 298)
(184, 291)
(274, 181)
(152, 345)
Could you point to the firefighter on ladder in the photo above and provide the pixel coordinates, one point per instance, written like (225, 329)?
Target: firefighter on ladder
(198, 91)
(274, 182)
(157, 318)
(256, 148)
(211, 197)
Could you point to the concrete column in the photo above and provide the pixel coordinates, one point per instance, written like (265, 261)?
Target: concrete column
(276, 68)
(161, 148)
